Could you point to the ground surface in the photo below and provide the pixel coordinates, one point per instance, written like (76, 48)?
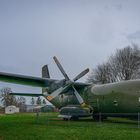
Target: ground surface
(49, 127)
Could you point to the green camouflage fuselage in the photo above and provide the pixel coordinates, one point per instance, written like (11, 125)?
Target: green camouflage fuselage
(121, 97)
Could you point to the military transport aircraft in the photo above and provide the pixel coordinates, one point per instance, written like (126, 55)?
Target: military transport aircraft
(76, 99)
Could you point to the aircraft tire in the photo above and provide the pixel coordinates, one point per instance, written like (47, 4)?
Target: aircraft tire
(65, 119)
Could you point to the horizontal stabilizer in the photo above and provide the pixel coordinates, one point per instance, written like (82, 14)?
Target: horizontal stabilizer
(27, 94)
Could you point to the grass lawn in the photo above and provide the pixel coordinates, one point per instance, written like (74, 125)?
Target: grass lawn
(27, 126)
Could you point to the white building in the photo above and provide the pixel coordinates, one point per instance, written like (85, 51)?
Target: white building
(11, 109)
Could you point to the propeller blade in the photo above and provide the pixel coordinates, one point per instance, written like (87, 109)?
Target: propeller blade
(57, 92)
(61, 68)
(81, 74)
(79, 98)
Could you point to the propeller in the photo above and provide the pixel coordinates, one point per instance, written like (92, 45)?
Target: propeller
(69, 84)
(81, 74)
(61, 68)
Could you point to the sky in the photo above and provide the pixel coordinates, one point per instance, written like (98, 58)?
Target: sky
(81, 33)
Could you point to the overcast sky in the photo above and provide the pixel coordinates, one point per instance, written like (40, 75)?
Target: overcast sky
(81, 33)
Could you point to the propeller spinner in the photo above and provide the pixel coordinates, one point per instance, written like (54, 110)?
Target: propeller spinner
(69, 84)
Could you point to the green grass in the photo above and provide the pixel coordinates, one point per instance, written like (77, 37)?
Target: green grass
(49, 127)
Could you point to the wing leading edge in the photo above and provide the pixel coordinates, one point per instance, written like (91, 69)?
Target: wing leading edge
(25, 80)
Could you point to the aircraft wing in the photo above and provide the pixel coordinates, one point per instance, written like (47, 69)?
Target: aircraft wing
(25, 80)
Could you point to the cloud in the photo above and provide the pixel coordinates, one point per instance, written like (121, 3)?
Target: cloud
(80, 33)
(135, 35)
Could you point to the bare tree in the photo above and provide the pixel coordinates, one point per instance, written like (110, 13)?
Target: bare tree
(44, 102)
(21, 103)
(7, 99)
(38, 101)
(32, 101)
(101, 74)
(123, 65)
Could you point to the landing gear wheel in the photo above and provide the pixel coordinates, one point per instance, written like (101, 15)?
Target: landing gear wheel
(65, 119)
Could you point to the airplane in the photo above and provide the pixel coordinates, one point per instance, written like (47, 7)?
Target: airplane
(78, 99)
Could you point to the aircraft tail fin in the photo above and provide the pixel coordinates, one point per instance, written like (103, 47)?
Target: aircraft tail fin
(45, 74)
